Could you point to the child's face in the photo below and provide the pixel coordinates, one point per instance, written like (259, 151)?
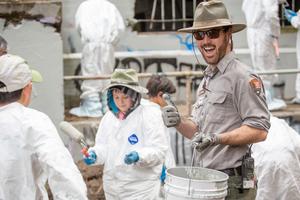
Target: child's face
(122, 101)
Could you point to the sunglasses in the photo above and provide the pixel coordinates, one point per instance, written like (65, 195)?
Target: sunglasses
(211, 34)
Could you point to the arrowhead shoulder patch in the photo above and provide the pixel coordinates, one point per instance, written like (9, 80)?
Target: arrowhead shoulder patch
(256, 85)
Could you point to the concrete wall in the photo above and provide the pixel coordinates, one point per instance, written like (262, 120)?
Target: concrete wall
(153, 41)
(133, 41)
(42, 48)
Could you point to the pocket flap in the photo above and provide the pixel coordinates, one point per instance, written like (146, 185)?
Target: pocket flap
(217, 98)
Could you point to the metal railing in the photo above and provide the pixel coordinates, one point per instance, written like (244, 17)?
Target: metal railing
(189, 75)
(163, 19)
(183, 13)
(168, 53)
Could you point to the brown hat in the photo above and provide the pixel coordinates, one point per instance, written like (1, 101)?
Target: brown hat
(212, 14)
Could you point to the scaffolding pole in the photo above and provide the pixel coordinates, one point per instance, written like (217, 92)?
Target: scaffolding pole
(153, 13)
(189, 75)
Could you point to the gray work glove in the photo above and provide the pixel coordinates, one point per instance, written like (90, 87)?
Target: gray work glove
(202, 141)
(170, 116)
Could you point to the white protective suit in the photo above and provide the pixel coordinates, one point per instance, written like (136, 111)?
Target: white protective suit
(263, 30)
(170, 160)
(181, 147)
(33, 153)
(100, 25)
(142, 131)
(296, 23)
(277, 163)
(262, 26)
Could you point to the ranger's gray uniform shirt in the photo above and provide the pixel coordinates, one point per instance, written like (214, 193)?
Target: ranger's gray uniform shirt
(226, 101)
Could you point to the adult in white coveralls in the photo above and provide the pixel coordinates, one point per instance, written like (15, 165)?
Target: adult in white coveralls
(130, 142)
(277, 163)
(158, 86)
(263, 30)
(33, 152)
(294, 19)
(100, 25)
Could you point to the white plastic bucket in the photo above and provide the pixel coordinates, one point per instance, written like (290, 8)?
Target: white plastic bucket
(204, 184)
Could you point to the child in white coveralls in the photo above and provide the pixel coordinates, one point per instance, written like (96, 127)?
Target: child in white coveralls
(130, 141)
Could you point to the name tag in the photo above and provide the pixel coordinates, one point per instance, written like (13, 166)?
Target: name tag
(133, 139)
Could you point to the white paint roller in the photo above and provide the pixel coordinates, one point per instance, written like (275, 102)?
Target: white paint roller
(71, 131)
(75, 135)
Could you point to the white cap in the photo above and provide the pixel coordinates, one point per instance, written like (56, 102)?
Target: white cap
(15, 73)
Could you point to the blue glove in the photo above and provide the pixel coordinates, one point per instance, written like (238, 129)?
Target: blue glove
(163, 174)
(132, 157)
(289, 14)
(91, 159)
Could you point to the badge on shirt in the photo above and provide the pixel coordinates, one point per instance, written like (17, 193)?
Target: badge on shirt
(256, 85)
(133, 139)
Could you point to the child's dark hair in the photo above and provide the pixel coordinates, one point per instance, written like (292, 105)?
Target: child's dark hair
(158, 84)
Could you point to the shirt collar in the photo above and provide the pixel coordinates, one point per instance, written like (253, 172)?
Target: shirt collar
(221, 66)
(210, 71)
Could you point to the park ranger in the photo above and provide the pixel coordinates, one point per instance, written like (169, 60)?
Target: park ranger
(231, 111)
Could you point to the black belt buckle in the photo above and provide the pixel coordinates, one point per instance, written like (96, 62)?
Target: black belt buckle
(233, 171)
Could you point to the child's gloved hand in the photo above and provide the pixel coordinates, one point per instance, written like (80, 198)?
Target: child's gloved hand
(289, 14)
(91, 158)
(163, 174)
(132, 157)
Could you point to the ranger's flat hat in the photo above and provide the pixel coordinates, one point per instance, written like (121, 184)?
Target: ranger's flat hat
(212, 14)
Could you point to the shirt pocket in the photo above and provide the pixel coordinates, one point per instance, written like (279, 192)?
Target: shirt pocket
(197, 108)
(217, 107)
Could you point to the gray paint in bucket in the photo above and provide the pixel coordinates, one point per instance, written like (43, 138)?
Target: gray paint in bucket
(205, 184)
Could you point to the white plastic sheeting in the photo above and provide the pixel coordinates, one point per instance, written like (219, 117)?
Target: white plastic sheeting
(262, 26)
(114, 141)
(277, 163)
(100, 25)
(33, 154)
